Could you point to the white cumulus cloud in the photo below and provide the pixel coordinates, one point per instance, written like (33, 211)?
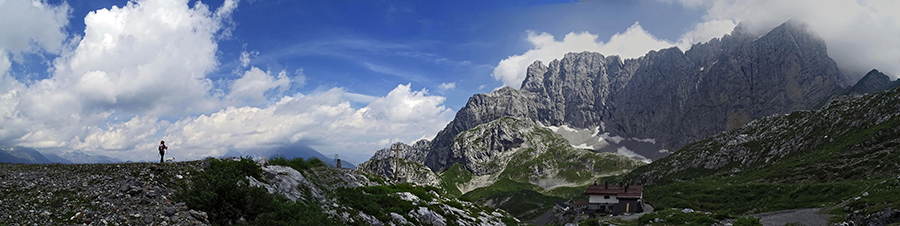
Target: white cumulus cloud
(134, 64)
(447, 86)
(633, 43)
(323, 118)
(251, 88)
(29, 26)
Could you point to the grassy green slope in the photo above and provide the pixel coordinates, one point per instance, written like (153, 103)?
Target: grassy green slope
(453, 177)
(804, 159)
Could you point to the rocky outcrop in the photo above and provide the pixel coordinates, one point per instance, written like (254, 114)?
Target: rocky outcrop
(415, 152)
(287, 181)
(402, 170)
(403, 163)
(670, 96)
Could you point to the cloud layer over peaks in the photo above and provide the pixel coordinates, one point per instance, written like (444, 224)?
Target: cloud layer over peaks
(861, 35)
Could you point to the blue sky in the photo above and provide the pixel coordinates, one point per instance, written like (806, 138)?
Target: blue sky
(345, 77)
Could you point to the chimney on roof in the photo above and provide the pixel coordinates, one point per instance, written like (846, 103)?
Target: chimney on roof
(626, 188)
(606, 185)
(595, 182)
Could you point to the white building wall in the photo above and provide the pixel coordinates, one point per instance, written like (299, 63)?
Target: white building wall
(602, 199)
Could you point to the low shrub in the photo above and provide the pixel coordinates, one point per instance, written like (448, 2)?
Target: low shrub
(380, 201)
(223, 192)
(747, 221)
(298, 164)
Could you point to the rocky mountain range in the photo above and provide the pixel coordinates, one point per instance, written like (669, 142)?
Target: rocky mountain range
(289, 151)
(668, 96)
(644, 108)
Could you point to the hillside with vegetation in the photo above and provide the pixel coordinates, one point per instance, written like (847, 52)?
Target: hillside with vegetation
(844, 158)
(225, 192)
(511, 164)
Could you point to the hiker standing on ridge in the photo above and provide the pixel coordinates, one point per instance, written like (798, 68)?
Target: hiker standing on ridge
(162, 150)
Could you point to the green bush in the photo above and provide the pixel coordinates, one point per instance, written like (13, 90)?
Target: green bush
(298, 164)
(223, 192)
(380, 201)
(747, 221)
(315, 162)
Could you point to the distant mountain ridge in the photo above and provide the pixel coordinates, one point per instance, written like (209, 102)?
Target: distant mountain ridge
(22, 155)
(872, 82)
(671, 97)
(290, 151)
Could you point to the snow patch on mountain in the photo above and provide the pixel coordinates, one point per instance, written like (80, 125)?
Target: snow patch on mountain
(597, 139)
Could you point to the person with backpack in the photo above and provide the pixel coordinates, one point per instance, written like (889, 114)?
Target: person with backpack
(162, 150)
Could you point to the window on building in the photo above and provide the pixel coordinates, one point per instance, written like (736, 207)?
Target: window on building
(606, 197)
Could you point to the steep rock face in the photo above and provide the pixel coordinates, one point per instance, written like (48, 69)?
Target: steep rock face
(786, 70)
(673, 97)
(480, 109)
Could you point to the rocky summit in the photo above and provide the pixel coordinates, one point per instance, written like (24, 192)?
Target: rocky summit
(668, 96)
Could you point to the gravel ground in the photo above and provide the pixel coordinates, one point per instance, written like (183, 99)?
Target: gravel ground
(96, 194)
(809, 217)
(647, 209)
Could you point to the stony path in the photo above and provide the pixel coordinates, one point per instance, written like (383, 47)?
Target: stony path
(809, 217)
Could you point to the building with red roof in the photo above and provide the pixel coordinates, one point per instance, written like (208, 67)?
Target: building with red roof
(615, 199)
